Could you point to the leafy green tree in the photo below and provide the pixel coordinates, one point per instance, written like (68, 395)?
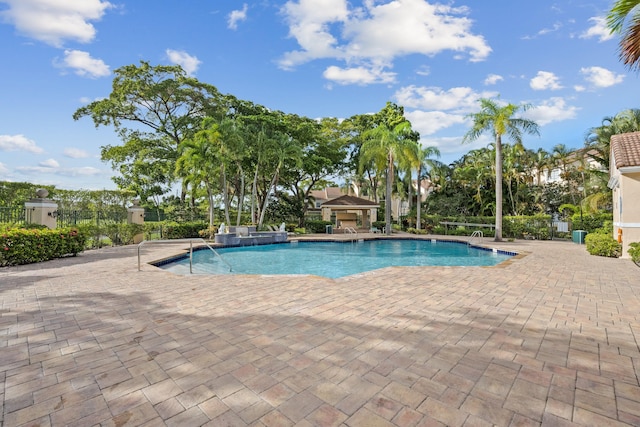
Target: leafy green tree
(385, 144)
(624, 19)
(499, 121)
(161, 99)
(323, 155)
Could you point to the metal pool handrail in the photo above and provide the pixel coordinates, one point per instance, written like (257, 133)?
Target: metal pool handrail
(197, 239)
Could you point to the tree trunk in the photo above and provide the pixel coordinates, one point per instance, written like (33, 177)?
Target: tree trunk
(273, 184)
(225, 195)
(254, 197)
(387, 202)
(498, 236)
(240, 198)
(210, 197)
(418, 199)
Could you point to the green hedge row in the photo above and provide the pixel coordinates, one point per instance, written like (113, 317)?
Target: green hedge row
(24, 246)
(317, 226)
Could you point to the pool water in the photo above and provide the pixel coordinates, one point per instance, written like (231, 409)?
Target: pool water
(336, 259)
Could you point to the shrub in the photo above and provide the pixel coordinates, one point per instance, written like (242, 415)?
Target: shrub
(416, 231)
(185, 230)
(591, 222)
(602, 244)
(634, 252)
(317, 226)
(26, 246)
(208, 232)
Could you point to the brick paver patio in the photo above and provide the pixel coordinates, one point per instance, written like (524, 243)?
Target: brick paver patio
(548, 339)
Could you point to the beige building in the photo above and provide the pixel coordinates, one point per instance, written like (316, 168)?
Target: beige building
(625, 183)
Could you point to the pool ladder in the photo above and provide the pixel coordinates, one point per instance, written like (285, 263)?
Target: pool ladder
(352, 231)
(475, 234)
(197, 239)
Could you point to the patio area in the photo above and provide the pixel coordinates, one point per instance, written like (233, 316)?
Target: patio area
(550, 338)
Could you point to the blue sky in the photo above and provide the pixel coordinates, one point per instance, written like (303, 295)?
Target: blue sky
(316, 58)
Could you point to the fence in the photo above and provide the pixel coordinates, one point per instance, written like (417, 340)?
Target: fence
(12, 215)
(69, 218)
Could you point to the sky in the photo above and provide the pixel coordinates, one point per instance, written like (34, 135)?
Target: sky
(314, 58)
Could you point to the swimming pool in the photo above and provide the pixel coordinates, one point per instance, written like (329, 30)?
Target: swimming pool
(336, 259)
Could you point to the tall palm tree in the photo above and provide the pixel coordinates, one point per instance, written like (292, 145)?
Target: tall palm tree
(198, 163)
(423, 162)
(384, 145)
(499, 121)
(624, 19)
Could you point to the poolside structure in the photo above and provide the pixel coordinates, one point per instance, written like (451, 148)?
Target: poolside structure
(625, 183)
(549, 339)
(350, 211)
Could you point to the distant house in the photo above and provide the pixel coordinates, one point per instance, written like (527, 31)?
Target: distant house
(324, 195)
(582, 158)
(625, 182)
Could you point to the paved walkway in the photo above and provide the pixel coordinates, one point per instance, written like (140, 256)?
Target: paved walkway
(548, 339)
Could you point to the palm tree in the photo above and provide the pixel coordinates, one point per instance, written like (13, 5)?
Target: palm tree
(384, 144)
(626, 11)
(499, 121)
(424, 162)
(198, 164)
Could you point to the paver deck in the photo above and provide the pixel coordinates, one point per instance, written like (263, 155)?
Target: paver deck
(547, 339)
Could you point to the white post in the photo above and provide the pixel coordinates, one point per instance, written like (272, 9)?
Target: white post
(41, 210)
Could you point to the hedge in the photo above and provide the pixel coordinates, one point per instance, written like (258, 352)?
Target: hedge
(26, 246)
(185, 230)
(317, 226)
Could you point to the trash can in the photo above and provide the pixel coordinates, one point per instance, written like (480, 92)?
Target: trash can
(328, 229)
(578, 236)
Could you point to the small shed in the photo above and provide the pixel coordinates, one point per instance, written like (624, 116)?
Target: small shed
(350, 211)
(625, 182)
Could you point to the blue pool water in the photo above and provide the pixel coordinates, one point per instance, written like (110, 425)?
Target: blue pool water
(336, 259)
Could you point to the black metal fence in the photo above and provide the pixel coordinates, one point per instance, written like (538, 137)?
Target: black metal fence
(12, 215)
(70, 218)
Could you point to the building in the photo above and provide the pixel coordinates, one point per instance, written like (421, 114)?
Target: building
(625, 182)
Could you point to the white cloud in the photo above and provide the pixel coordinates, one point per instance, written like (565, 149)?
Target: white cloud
(358, 75)
(423, 71)
(71, 172)
(54, 21)
(49, 163)
(493, 79)
(373, 35)
(18, 143)
(598, 29)
(551, 110)
(75, 153)
(545, 80)
(188, 63)
(236, 16)
(601, 77)
(84, 65)
(556, 26)
(3, 169)
(430, 122)
(458, 99)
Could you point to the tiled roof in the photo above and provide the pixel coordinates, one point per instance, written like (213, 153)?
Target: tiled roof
(350, 201)
(626, 149)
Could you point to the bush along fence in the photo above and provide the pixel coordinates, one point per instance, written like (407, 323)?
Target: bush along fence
(25, 246)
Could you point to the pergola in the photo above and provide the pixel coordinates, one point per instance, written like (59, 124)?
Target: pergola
(347, 209)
